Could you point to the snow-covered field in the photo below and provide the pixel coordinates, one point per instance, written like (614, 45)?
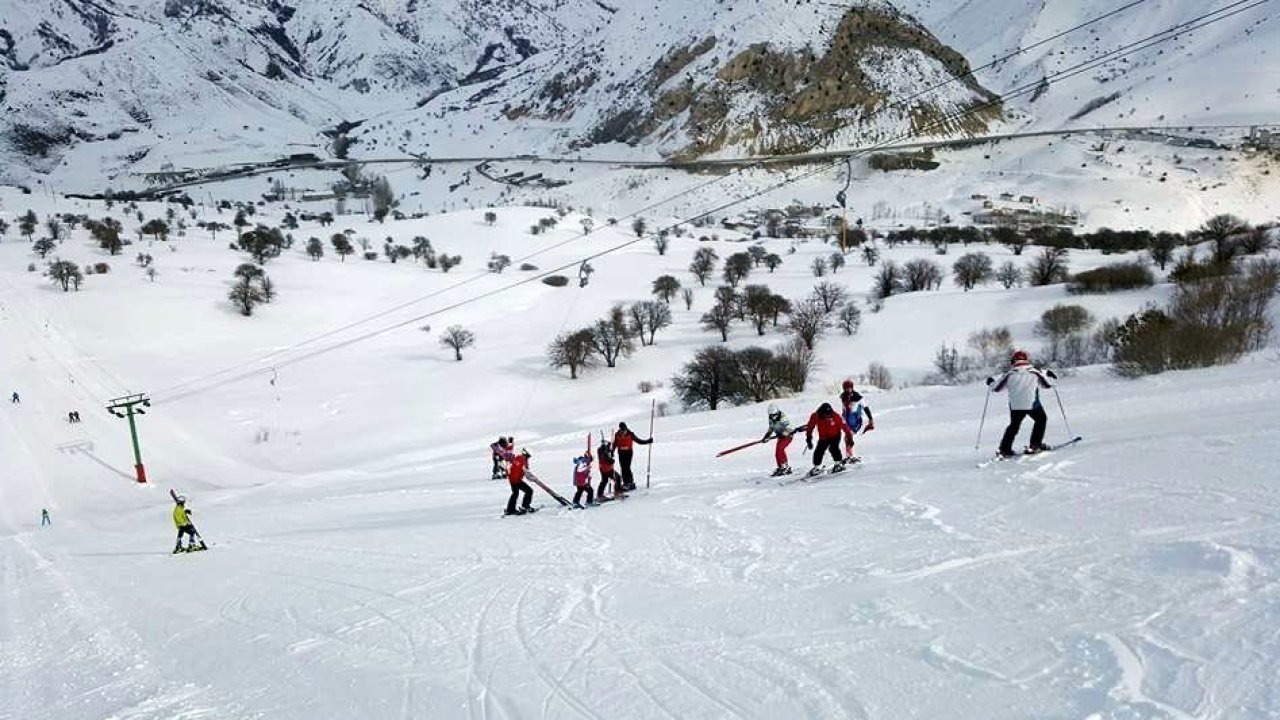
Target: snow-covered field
(361, 568)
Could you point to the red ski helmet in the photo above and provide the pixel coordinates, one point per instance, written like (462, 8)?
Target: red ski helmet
(847, 384)
(1019, 356)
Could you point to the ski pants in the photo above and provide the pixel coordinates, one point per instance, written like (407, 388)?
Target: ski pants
(190, 532)
(516, 489)
(624, 459)
(780, 449)
(1038, 417)
(826, 445)
(584, 490)
(44, 520)
(605, 477)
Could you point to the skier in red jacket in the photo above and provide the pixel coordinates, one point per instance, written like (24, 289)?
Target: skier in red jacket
(831, 427)
(515, 475)
(624, 441)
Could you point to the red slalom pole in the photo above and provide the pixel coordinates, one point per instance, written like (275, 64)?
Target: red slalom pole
(743, 446)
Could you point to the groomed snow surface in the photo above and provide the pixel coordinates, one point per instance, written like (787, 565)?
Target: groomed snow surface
(360, 566)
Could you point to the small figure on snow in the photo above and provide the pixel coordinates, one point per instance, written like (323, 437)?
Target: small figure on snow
(582, 480)
(854, 408)
(44, 517)
(182, 520)
(779, 427)
(517, 464)
(500, 450)
(1024, 382)
(15, 399)
(830, 427)
(73, 416)
(624, 441)
(604, 455)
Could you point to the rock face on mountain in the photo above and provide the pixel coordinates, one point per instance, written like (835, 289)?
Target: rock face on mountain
(114, 85)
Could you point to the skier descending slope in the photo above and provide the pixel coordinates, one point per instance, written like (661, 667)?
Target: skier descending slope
(1024, 382)
(853, 409)
(515, 475)
(830, 427)
(182, 520)
(779, 427)
(625, 440)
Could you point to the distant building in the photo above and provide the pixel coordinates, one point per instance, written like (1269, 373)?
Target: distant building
(1027, 200)
(1264, 139)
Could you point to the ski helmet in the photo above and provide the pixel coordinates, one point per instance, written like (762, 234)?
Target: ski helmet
(826, 409)
(525, 453)
(774, 412)
(1019, 356)
(182, 499)
(847, 384)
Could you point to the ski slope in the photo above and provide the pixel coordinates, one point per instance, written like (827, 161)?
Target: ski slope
(360, 566)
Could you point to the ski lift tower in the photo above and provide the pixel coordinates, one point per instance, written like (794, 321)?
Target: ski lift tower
(127, 407)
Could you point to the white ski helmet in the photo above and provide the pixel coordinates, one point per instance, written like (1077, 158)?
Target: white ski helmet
(773, 410)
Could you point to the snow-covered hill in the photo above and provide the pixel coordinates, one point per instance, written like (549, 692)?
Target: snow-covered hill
(360, 567)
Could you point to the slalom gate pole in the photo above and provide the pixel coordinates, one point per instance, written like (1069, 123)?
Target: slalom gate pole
(977, 443)
(743, 446)
(1063, 410)
(653, 410)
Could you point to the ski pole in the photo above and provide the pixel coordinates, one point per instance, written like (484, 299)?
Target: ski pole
(1063, 410)
(977, 443)
(653, 409)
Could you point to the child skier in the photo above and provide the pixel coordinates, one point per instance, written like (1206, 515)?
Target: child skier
(604, 454)
(182, 520)
(624, 441)
(44, 517)
(582, 480)
(1024, 382)
(779, 427)
(853, 409)
(515, 475)
(830, 427)
(499, 451)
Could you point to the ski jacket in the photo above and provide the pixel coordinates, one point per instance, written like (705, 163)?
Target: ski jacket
(832, 426)
(180, 516)
(623, 439)
(781, 428)
(499, 450)
(582, 471)
(515, 474)
(605, 456)
(851, 401)
(1023, 381)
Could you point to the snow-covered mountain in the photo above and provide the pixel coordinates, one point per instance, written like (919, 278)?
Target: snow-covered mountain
(146, 84)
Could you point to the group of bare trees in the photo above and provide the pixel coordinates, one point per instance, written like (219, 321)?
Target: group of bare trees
(610, 338)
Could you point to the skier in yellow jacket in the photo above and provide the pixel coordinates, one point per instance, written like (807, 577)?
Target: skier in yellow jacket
(182, 520)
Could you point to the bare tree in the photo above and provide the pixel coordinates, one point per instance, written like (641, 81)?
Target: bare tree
(972, 269)
(736, 268)
(772, 261)
(888, 280)
(666, 287)
(708, 379)
(830, 295)
(1009, 275)
(65, 273)
(246, 291)
(1162, 247)
(720, 318)
(1049, 267)
(819, 267)
(649, 316)
(575, 350)
(761, 305)
(704, 263)
(808, 322)
(1222, 230)
(849, 319)
(836, 262)
(457, 338)
(757, 375)
(921, 274)
(611, 337)
(687, 295)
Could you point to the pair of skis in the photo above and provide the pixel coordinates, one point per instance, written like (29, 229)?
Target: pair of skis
(1027, 456)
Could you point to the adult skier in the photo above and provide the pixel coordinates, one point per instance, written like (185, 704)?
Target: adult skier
(604, 455)
(182, 520)
(499, 451)
(1024, 382)
(44, 517)
(779, 427)
(582, 480)
(15, 399)
(517, 464)
(830, 427)
(853, 408)
(624, 441)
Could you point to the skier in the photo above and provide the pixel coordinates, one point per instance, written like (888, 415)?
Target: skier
(604, 454)
(15, 399)
(624, 441)
(44, 517)
(182, 520)
(517, 463)
(499, 451)
(582, 480)
(779, 427)
(1023, 381)
(830, 427)
(853, 409)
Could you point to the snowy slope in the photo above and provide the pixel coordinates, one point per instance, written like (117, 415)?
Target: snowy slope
(361, 568)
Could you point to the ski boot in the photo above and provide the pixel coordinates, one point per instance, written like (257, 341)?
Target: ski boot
(816, 471)
(513, 512)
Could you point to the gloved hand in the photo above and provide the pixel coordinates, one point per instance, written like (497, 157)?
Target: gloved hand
(1051, 374)
(808, 443)
(990, 381)
(870, 427)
